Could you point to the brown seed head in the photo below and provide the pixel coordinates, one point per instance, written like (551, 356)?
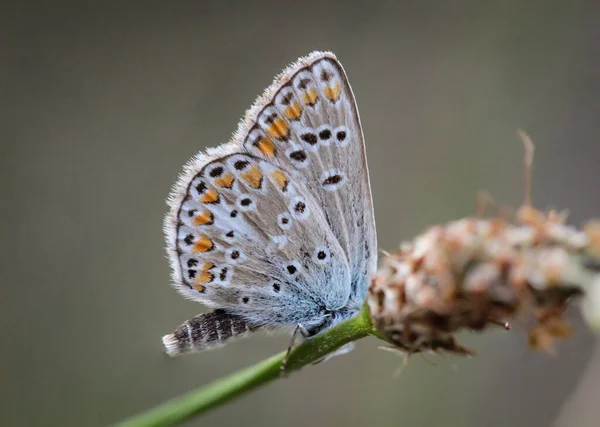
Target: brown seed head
(475, 272)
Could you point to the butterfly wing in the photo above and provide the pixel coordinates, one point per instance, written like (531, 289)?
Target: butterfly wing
(276, 227)
(248, 236)
(308, 121)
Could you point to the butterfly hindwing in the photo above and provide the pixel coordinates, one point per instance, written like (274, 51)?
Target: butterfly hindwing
(252, 239)
(276, 228)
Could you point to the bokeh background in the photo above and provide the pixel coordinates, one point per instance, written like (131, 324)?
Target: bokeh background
(101, 105)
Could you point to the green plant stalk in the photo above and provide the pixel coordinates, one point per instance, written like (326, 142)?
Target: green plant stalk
(225, 389)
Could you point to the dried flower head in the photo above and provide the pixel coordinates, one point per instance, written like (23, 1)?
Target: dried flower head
(475, 272)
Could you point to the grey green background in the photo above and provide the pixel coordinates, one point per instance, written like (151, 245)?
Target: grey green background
(101, 105)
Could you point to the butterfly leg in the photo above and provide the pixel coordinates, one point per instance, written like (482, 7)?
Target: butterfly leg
(346, 348)
(298, 329)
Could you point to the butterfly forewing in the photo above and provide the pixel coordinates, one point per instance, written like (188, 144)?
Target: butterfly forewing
(277, 226)
(310, 123)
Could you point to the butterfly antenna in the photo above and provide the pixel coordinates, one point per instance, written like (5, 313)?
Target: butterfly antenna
(528, 166)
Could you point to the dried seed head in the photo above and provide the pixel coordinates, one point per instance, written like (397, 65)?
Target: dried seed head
(474, 272)
(592, 230)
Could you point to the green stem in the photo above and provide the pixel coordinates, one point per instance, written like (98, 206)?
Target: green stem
(223, 390)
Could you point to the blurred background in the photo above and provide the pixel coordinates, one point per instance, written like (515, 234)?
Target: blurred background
(103, 103)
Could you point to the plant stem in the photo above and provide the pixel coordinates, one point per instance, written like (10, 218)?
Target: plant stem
(223, 390)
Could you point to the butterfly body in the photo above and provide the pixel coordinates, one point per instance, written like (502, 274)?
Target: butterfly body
(275, 229)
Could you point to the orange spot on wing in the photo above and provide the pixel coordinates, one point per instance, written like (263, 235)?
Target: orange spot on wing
(203, 244)
(279, 129)
(226, 181)
(333, 92)
(266, 146)
(310, 97)
(280, 179)
(205, 277)
(293, 112)
(207, 266)
(210, 196)
(205, 218)
(199, 288)
(253, 177)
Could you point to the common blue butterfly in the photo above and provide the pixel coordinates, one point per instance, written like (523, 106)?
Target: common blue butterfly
(275, 229)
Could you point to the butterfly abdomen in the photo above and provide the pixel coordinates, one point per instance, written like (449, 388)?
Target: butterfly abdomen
(205, 331)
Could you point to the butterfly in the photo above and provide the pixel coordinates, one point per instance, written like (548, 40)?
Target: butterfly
(275, 229)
